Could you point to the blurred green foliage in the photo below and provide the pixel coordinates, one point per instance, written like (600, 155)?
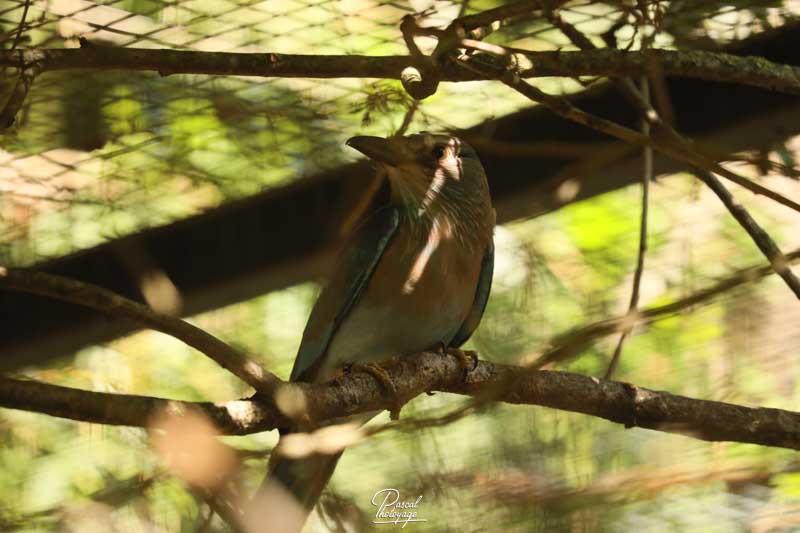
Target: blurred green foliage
(485, 468)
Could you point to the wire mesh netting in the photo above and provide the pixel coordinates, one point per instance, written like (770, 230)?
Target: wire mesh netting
(129, 150)
(95, 155)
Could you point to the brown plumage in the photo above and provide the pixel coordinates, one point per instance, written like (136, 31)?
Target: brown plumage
(416, 276)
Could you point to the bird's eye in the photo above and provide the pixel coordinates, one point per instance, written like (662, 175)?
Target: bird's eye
(438, 152)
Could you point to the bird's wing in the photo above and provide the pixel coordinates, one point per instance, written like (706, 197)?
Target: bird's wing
(481, 297)
(356, 265)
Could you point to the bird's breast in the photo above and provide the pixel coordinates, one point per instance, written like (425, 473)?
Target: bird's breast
(417, 297)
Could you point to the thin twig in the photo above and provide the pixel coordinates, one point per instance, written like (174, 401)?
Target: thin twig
(408, 118)
(26, 76)
(655, 73)
(762, 239)
(640, 98)
(647, 177)
(21, 26)
(463, 9)
(579, 39)
(105, 301)
(18, 94)
(667, 142)
(566, 345)
(505, 13)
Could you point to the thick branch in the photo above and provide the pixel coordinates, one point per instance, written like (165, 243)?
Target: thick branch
(357, 393)
(236, 417)
(715, 66)
(247, 416)
(113, 304)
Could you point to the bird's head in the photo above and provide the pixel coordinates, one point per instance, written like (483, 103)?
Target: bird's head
(430, 173)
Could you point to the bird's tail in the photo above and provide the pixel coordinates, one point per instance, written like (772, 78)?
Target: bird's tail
(303, 478)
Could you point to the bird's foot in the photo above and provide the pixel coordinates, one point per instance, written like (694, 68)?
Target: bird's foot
(467, 359)
(382, 376)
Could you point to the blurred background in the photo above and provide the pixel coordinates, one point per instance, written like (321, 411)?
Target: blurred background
(220, 198)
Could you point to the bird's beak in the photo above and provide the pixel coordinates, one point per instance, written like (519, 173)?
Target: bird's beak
(377, 149)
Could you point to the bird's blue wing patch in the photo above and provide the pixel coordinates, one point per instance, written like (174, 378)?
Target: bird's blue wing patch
(481, 297)
(355, 267)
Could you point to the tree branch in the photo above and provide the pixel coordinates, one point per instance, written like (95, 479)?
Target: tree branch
(18, 94)
(569, 344)
(357, 393)
(21, 26)
(641, 99)
(760, 237)
(647, 176)
(716, 66)
(236, 417)
(505, 12)
(105, 301)
(247, 416)
(664, 140)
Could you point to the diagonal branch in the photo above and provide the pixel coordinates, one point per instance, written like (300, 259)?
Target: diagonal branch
(351, 394)
(762, 239)
(105, 301)
(21, 26)
(641, 100)
(573, 342)
(18, 94)
(664, 140)
(506, 12)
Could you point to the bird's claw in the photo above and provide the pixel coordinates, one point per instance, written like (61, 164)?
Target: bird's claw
(382, 376)
(467, 359)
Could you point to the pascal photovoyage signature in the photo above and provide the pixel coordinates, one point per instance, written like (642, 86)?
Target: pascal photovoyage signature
(393, 510)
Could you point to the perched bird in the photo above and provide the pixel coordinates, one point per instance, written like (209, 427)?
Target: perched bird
(416, 276)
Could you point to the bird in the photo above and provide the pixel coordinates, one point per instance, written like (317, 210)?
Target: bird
(415, 276)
